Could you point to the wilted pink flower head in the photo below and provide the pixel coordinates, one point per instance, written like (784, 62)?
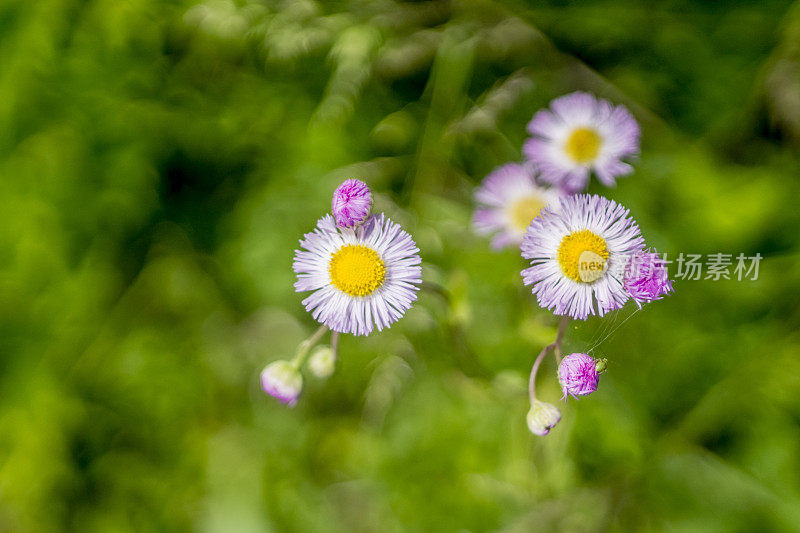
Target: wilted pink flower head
(282, 381)
(578, 375)
(646, 277)
(352, 202)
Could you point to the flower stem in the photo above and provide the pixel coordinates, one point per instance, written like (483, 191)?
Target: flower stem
(306, 345)
(335, 344)
(556, 347)
(534, 370)
(435, 288)
(562, 328)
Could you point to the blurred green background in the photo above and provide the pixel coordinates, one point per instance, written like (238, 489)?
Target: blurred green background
(160, 160)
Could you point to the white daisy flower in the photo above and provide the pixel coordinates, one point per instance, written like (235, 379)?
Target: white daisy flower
(579, 255)
(580, 134)
(508, 199)
(363, 278)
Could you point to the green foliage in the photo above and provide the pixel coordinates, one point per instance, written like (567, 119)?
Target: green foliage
(159, 161)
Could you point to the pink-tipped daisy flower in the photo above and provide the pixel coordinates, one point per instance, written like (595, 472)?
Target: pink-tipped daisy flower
(361, 278)
(578, 255)
(579, 134)
(508, 200)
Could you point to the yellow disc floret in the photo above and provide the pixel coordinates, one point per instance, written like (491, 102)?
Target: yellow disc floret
(356, 270)
(582, 256)
(583, 145)
(524, 210)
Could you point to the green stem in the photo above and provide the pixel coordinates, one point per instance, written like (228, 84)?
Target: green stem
(562, 328)
(335, 344)
(437, 289)
(306, 345)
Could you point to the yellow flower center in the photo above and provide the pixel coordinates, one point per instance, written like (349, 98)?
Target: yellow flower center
(356, 270)
(583, 256)
(583, 145)
(524, 210)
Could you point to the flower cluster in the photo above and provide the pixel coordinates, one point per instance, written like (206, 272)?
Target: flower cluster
(587, 254)
(363, 273)
(578, 135)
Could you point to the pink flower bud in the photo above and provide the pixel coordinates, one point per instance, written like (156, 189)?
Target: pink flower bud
(352, 203)
(578, 375)
(282, 381)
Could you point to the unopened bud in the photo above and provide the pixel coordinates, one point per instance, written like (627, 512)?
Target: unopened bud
(352, 202)
(282, 381)
(542, 417)
(322, 362)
